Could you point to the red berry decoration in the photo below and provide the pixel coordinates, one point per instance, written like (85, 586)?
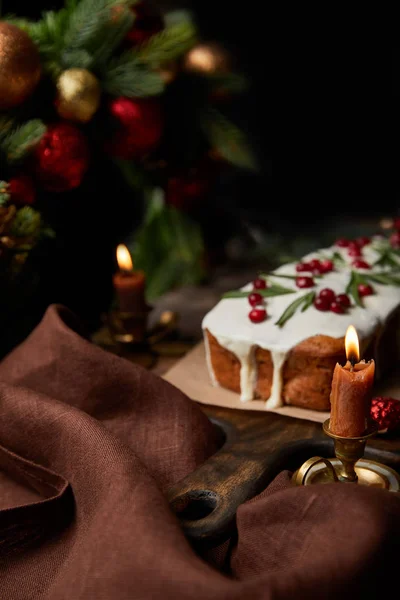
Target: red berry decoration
(360, 264)
(322, 303)
(337, 308)
(343, 299)
(394, 239)
(342, 242)
(354, 251)
(364, 289)
(326, 266)
(259, 284)
(314, 263)
(304, 282)
(22, 190)
(139, 126)
(61, 158)
(257, 315)
(327, 294)
(303, 266)
(255, 299)
(385, 411)
(363, 241)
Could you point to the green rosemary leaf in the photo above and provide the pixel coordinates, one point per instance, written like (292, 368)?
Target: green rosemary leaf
(383, 278)
(266, 275)
(338, 258)
(386, 259)
(352, 287)
(291, 309)
(273, 290)
(308, 301)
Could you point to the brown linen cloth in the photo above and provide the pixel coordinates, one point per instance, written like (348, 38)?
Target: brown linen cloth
(90, 443)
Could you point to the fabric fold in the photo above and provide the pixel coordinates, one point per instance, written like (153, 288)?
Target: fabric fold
(89, 445)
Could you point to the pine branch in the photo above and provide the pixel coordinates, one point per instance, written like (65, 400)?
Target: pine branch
(169, 44)
(107, 36)
(4, 195)
(6, 124)
(127, 76)
(26, 222)
(90, 20)
(48, 34)
(21, 140)
(229, 141)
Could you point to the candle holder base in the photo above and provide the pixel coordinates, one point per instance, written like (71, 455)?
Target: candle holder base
(129, 335)
(348, 466)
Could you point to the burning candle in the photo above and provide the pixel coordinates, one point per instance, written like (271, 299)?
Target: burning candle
(351, 391)
(129, 285)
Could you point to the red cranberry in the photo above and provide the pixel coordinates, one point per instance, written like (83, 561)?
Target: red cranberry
(322, 303)
(303, 266)
(395, 239)
(355, 251)
(326, 266)
(361, 264)
(364, 289)
(337, 308)
(317, 271)
(327, 294)
(343, 299)
(259, 284)
(255, 299)
(363, 241)
(257, 315)
(314, 263)
(353, 244)
(342, 243)
(304, 282)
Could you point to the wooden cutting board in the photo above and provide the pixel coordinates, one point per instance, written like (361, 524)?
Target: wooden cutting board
(255, 445)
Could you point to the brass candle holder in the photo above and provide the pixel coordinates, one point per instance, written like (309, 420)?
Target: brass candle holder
(130, 335)
(349, 464)
(129, 327)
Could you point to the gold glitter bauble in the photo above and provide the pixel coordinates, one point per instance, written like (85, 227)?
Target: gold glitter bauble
(20, 67)
(208, 57)
(78, 95)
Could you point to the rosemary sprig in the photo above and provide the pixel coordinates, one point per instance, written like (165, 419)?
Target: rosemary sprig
(352, 287)
(266, 275)
(304, 302)
(387, 258)
(273, 290)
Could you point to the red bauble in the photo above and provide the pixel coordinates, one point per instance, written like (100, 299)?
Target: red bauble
(147, 23)
(385, 411)
(61, 158)
(184, 192)
(22, 190)
(139, 127)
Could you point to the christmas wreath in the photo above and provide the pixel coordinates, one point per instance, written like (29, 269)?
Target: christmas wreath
(113, 76)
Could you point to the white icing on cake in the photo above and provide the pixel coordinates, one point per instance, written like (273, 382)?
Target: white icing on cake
(228, 321)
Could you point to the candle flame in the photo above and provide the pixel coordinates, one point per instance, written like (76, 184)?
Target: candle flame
(124, 258)
(352, 345)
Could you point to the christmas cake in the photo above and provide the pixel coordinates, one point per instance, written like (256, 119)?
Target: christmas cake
(279, 337)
